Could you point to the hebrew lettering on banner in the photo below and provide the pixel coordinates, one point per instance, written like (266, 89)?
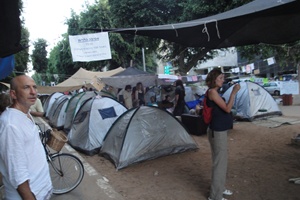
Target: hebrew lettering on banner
(90, 47)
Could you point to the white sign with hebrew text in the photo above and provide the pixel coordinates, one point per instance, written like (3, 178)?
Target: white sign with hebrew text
(90, 47)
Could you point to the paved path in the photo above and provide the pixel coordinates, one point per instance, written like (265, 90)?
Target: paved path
(93, 186)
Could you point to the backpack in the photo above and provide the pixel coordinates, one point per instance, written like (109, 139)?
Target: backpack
(207, 111)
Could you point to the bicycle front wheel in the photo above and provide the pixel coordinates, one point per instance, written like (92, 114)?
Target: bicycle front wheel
(66, 172)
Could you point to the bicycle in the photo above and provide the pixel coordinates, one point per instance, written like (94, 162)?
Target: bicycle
(66, 170)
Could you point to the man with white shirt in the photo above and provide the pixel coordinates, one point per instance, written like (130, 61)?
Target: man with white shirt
(37, 112)
(23, 162)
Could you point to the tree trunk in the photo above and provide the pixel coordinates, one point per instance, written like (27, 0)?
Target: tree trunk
(185, 67)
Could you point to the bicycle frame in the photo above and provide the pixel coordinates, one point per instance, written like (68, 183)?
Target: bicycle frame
(56, 169)
(44, 137)
(67, 170)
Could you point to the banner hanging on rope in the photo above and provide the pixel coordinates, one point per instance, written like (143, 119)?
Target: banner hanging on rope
(90, 47)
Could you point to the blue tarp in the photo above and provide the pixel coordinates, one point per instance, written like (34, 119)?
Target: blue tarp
(7, 65)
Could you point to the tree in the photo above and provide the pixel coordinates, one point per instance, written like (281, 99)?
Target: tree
(22, 57)
(284, 54)
(140, 13)
(124, 49)
(129, 13)
(39, 56)
(146, 13)
(37, 78)
(60, 59)
(95, 15)
(60, 65)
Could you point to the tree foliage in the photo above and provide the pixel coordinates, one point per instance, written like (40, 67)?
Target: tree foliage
(22, 57)
(122, 49)
(145, 13)
(39, 55)
(284, 54)
(60, 59)
(127, 48)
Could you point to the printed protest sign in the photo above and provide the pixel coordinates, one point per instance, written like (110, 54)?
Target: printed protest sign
(90, 47)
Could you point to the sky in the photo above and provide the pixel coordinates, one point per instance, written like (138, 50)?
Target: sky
(45, 18)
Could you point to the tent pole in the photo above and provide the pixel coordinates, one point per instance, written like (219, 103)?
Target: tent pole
(143, 54)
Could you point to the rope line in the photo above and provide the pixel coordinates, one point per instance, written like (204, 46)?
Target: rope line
(175, 30)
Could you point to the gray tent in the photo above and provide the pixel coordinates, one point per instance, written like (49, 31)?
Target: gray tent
(145, 133)
(92, 121)
(49, 102)
(57, 113)
(73, 106)
(253, 101)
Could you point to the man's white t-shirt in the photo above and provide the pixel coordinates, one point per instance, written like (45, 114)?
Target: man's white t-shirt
(38, 107)
(22, 156)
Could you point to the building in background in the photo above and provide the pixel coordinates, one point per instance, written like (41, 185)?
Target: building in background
(231, 63)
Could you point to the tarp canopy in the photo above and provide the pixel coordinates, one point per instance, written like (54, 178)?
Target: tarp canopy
(131, 71)
(10, 23)
(130, 76)
(260, 21)
(122, 81)
(77, 80)
(52, 89)
(83, 76)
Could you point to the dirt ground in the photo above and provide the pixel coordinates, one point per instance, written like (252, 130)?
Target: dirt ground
(261, 160)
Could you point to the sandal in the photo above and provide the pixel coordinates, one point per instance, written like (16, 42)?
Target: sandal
(212, 199)
(227, 192)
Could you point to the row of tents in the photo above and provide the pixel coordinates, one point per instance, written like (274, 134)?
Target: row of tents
(100, 124)
(96, 123)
